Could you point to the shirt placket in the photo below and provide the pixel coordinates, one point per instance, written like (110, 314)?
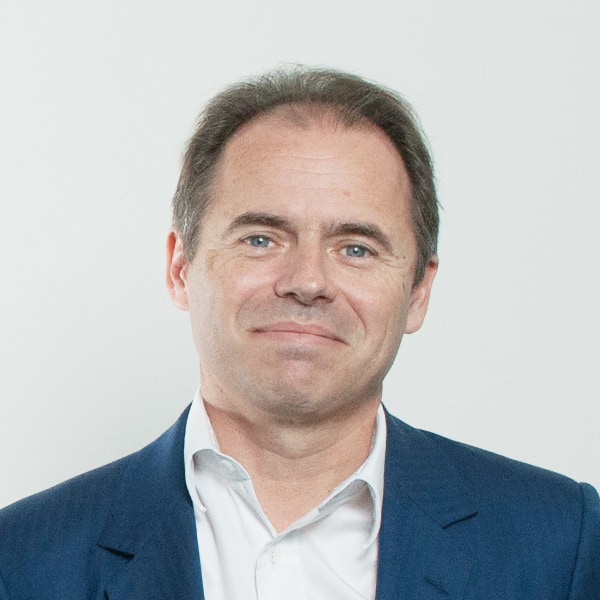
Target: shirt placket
(279, 569)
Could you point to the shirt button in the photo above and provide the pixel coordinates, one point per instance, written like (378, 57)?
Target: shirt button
(274, 554)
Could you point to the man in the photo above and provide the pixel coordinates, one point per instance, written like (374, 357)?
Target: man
(304, 247)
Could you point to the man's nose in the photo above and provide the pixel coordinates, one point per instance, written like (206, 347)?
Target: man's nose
(306, 276)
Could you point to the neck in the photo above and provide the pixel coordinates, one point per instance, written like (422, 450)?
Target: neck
(295, 467)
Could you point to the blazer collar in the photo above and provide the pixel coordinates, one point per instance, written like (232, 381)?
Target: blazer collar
(148, 544)
(424, 496)
(148, 547)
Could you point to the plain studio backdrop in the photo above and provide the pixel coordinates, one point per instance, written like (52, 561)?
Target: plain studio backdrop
(96, 104)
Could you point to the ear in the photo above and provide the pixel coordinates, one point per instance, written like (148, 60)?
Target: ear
(177, 266)
(419, 297)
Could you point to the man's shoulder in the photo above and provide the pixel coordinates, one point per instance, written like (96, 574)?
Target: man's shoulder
(515, 518)
(487, 475)
(82, 493)
(41, 534)
(67, 519)
(69, 514)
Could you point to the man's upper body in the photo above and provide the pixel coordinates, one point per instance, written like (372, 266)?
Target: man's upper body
(304, 248)
(456, 523)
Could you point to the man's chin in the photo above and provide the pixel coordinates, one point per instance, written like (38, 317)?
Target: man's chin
(308, 405)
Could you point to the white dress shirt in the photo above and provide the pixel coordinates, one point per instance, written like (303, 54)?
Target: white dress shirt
(328, 554)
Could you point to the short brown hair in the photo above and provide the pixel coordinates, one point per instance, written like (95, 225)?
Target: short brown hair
(351, 99)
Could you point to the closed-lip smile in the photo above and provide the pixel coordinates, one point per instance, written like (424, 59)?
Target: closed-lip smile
(291, 327)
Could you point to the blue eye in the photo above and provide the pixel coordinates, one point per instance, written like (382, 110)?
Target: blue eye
(356, 251)
(259, 241)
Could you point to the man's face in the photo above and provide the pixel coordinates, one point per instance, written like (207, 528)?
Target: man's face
(302, 284)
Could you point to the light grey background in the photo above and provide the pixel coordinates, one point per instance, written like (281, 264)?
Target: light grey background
(97, 102)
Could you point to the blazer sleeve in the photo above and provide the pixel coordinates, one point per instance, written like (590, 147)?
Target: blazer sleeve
(585, 581)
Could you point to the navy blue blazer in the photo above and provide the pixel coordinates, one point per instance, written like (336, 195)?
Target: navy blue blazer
(458, 523)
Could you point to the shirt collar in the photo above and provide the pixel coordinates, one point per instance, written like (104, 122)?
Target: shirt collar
(200, 436)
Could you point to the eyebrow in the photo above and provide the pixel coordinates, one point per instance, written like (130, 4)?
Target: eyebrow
(259, 218)
(364, 229)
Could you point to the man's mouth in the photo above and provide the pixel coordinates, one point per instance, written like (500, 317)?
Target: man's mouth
(299, 331)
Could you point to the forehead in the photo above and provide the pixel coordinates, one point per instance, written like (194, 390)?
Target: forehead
(311, 138)
(282, 127)
(311, 167)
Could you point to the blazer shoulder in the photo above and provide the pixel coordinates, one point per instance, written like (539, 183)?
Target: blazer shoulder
(517, 495)
(63, 522)
(485, 472)
(518, 519)
(72, 508)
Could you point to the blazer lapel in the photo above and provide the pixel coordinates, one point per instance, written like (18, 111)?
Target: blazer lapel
(148, 545)
(424, 496)
(166, 567)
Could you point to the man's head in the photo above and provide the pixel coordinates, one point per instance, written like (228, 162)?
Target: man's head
(301, 270)
(348, 99)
